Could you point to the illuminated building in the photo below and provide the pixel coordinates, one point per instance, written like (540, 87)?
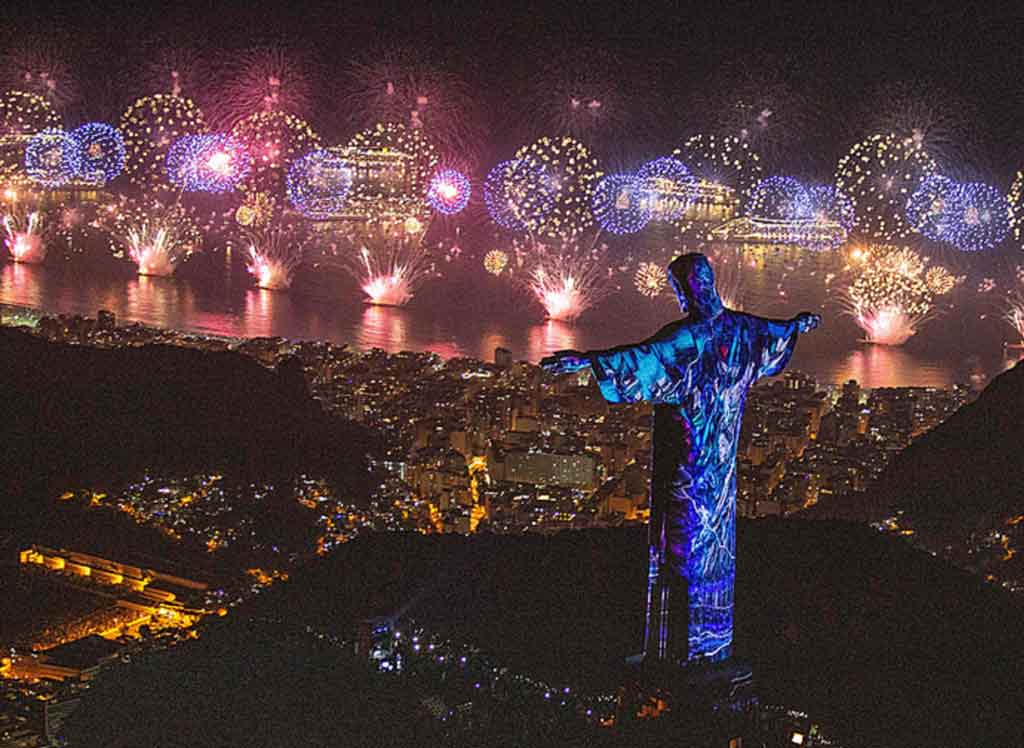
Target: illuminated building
(477, 467)
(131, 587)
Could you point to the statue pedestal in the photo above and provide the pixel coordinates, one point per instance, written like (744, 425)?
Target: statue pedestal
(715, 703)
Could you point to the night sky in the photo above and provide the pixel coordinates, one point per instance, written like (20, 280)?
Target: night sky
(672, 68)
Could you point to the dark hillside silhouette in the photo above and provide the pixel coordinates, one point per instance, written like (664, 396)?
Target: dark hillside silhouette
(76, 414)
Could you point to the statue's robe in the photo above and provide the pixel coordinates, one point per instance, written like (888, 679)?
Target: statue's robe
(696, 373)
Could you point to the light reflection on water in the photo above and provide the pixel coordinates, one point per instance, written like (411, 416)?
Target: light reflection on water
(880, 363)
(962, 346)
(23, 279)
(549, 337)
(383, 327)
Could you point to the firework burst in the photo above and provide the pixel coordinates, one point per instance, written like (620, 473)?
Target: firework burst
(22, 115)
(390, 269)
(401, 139)
(753, 102)
(397, 86)
(276, 139)
(932, 118)
(156, 237)
(518, 195)
(318, 184)
(669, 187)
(267, 79)
(723, 160)
(276, 254)
(778, 198)
(25, 234)
(256, 211)
(389, 261)
(176, 71)
(53, 158)
(881, 173)
(826, 203)
(566, 278)
(622, 203)
(495, 261)
(276, 244)
(981, 217)
(150, 126)
(1014, 315)
(650, 280)
(39, 66)
(571, 173)
(578, 91)
(940, 281)
(102, 152)
(930, 208)
(207, 163)
(893, 295)
(449, 192)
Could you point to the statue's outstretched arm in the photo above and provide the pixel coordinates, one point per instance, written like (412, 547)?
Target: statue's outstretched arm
(656, 370)
(778, 340)
(569, 361)
(807, 321)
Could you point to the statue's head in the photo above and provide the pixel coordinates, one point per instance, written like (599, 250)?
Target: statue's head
(693, 280)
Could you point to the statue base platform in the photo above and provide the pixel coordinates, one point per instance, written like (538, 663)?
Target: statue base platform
(699, 701)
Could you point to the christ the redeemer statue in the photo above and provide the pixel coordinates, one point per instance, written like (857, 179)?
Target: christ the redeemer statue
(696, 371)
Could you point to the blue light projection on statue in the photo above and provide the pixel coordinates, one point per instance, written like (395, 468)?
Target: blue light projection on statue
(696, 371)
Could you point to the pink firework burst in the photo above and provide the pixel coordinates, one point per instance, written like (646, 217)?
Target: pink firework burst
(389, 263)
(390, 270)
(892, 325)
(39, 66)
(400, 86)
(155, 236)
(265, 79)
(178, 71)
(25, 235)
(567, 279)
(275, 252)
(890, 298)
(271, 273)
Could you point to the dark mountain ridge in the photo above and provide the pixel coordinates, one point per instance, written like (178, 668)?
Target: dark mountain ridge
(80, 413)
(965, 470)
(893, 646)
